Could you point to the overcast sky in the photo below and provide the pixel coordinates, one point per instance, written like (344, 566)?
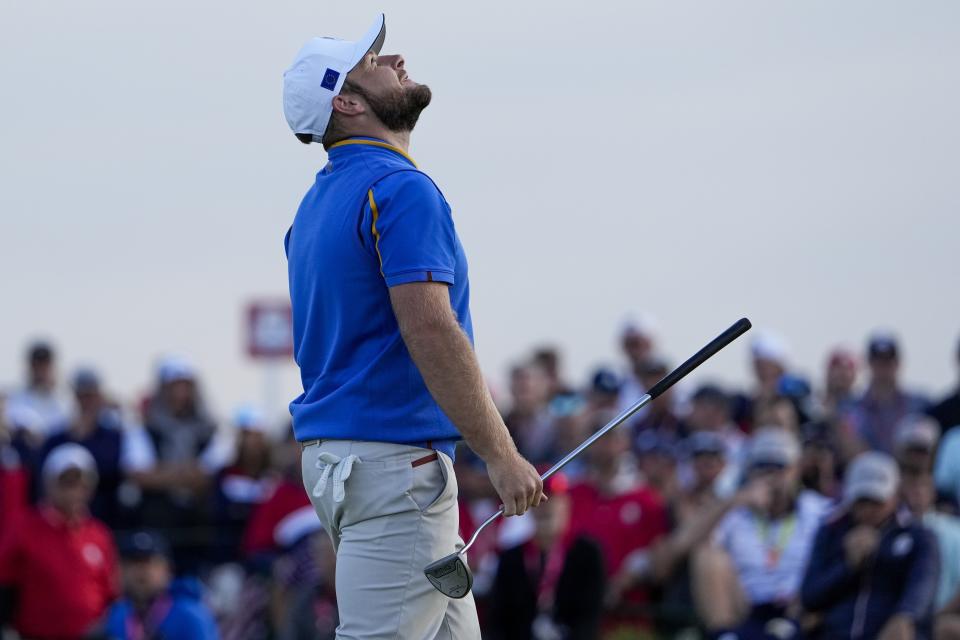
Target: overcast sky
(794, 162)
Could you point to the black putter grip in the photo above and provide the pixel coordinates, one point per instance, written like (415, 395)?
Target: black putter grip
(738, 328)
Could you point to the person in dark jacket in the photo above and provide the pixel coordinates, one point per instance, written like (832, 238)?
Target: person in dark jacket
(155, 607)
(98, 429)
(545, 588)
(873, 569)
(947, 411)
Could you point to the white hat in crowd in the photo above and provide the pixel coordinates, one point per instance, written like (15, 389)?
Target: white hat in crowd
(768, 345)
(66, 457)
(250, 418)
(872, 475)
(173, 368)
(917, 431)
(772, 445)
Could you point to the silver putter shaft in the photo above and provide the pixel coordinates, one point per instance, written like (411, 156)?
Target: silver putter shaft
(450, 574)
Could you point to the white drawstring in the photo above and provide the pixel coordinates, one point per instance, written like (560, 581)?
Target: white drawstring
(340, 468)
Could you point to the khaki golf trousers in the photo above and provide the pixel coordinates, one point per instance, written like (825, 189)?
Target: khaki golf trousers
(390, 510)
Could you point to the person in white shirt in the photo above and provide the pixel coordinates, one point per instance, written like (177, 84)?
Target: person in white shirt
(746, 583)
(40, 397)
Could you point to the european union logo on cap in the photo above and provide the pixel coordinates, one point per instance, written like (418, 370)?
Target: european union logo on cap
(330, 79)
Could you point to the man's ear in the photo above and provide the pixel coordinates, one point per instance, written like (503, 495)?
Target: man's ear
(348, 104)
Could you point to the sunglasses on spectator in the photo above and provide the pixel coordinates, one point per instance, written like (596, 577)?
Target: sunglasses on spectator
(767, 467)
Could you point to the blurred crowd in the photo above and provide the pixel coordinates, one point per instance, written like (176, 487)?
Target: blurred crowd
(799, 507)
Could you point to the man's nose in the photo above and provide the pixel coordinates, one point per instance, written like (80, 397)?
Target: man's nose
(394, 61)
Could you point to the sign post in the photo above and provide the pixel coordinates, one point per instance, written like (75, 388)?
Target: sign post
(269, 340)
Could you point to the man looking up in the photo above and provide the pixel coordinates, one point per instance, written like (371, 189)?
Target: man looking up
(383, 338)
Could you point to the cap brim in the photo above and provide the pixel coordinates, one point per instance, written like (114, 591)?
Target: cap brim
(867, 491)
(372, 40)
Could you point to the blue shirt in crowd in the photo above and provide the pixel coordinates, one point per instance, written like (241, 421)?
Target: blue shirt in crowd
(371, 221)
(179, 614)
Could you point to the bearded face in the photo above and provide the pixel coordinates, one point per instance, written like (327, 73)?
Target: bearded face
(398, 109)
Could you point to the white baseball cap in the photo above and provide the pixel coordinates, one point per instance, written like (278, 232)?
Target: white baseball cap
(872, 475)
(917, 431)
(772, 445)
(317, 75)
(69, 456)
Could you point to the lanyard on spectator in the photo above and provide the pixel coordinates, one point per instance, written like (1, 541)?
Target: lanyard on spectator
(146, 628)
(774, 548)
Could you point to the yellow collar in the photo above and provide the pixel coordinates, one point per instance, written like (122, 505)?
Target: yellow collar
(373, 143)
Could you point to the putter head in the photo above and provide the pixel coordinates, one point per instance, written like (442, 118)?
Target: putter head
(450, 575)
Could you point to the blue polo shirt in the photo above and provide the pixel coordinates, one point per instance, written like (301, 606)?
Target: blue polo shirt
(371, 221)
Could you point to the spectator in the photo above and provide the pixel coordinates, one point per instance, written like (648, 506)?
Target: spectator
(839, 384)
(873, 570)
(637, 340)
(97, 429)
(604, 391)
(769, 355)
(946, 469)
(13, 480)
(710, 412)
(665, 565)
(242, 485)
(659, 414)
(748, 580)
(548, 359)
(182, 441)
(549, 587)
(529, 418)
(286, 500)
(873, 418)
(918, 495)
(706, 462)
(611, 506)
(669, 561)
(40, 394)
(570, 418)
(818, 460)
(311, 613)
(153, 605)
(947, 411)
(915, 442)
(58, 569)
(657, 464)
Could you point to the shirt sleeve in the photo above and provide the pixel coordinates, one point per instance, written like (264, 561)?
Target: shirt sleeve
(136, 451)
(407, 223)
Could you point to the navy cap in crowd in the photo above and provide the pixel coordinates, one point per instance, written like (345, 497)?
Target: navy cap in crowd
(651, 442)
(883, 346)
(710, 393)
(143, 544)
(85, 380)
(40, 352)
(605, 381)
(705, 442)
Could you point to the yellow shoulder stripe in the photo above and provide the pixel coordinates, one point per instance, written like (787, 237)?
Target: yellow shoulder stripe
(373, 227)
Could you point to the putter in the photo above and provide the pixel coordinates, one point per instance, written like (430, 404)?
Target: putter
(451, 576)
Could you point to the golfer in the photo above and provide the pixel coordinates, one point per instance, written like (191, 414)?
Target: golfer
(383, 338)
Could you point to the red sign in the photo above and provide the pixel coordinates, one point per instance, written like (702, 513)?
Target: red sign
(269, 329)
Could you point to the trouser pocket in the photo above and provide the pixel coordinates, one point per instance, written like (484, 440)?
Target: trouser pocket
(431, 484)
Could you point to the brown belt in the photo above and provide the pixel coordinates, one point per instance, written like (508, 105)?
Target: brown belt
(430, 457)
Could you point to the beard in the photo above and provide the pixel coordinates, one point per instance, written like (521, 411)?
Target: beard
(399, 110)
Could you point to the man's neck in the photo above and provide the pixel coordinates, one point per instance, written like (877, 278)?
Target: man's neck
(398, 139)
(883, 390)
(83, 426)
(142, 605)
